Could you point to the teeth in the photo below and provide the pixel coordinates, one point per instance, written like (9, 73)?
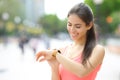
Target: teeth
(73, 34)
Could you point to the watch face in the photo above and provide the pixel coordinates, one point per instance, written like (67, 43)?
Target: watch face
(59, 51)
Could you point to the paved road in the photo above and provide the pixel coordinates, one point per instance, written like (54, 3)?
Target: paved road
(14, 66)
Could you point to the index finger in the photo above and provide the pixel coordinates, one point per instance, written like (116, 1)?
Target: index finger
(40, 54)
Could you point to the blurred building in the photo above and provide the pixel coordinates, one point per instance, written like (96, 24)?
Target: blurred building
(34, 9)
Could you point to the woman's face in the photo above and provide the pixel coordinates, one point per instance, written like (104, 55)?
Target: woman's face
(76, 27)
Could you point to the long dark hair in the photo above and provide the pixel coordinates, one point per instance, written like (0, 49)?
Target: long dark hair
(85, 13)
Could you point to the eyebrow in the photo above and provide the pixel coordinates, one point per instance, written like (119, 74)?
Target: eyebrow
(75, 24)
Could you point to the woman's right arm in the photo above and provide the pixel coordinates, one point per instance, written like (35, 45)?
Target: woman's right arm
(54, 64)
(55, 68)
(55, 74)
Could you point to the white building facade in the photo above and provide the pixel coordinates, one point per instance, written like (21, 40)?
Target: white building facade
(34, 9)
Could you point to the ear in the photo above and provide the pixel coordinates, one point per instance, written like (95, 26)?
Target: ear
(89, 25)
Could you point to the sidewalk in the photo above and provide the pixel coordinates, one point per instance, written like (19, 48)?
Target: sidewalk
(14, 66)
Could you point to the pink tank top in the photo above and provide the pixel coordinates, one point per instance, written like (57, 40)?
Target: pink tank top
(66, 75)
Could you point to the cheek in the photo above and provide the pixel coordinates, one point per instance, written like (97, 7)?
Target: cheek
(68, 28)
(82, 31)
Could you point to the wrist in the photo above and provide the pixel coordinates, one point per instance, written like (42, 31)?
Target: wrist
(55, 52)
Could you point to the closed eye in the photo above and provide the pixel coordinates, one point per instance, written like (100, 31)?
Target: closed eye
(77, 26)
(69, 24)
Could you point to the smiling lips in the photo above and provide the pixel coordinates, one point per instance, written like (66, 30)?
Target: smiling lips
(74, 35)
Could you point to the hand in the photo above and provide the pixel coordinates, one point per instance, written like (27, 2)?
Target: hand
(44, 55)
(47, 55)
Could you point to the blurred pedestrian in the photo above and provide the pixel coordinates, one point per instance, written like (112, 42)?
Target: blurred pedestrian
(82, 59)
(33, 43)
(22, 41)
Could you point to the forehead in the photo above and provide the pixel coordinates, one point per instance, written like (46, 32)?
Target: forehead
(73, 18)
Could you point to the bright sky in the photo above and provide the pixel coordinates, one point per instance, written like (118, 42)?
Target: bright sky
(60, 7)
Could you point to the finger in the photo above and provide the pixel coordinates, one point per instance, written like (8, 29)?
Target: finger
(40, 54)
(42, 59)
(37, 56)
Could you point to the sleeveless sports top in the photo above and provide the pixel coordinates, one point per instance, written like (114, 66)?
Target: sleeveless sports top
(66, 75)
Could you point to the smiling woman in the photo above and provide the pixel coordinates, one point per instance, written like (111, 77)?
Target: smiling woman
(82, 59)
(57, 7)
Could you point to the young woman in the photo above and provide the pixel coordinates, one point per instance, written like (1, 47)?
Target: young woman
(82, 59)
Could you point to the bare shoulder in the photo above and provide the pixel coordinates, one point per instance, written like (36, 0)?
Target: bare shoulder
(99, 49)
(97, 55)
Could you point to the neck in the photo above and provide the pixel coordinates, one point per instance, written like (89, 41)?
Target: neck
(80, 42)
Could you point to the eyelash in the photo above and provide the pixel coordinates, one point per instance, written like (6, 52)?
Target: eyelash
(75, 26)
(69, 24)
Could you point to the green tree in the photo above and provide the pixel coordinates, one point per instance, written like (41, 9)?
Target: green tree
(52, 25)
(103, 12)
(115, 20)
(92, 5)
(11, 9)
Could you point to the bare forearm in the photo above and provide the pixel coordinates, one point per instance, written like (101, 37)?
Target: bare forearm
(72, 66)
(55, 74)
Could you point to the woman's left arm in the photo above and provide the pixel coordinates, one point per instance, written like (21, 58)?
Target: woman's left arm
(79, 69)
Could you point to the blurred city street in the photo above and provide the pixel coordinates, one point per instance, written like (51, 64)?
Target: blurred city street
(28, 26)
(16, 66)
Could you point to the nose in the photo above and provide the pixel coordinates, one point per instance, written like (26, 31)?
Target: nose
(72, 29)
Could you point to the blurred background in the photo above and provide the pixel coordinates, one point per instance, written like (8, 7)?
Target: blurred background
(28, 26)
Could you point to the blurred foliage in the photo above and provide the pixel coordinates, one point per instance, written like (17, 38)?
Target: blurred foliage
(115, 18)
(13, 8)
(34, 31)
(9, 10)
(105, 14)
(92, 5)
(109, 6)
(52, 25)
